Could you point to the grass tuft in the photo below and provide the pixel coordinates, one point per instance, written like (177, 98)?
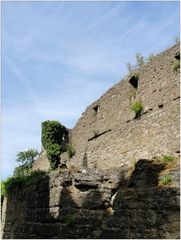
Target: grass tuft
(166, 159)
(166, 180)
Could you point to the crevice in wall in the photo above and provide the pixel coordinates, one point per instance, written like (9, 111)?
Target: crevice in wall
(149, 110)
(98, 135)
(176, 98)
(84, 187)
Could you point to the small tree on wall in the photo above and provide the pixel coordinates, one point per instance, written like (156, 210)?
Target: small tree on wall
(52, 138)
(26, 158)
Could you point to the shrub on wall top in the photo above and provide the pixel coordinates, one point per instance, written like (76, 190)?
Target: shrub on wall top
(21, 181)
(52, 137)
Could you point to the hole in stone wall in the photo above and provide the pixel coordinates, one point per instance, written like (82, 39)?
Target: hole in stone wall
(177, 55)
(160, 105)
(96, 109)
(85, 187)
(99, 134)
(134, 81)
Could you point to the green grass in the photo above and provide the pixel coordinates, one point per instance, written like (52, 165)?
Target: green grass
(137, 107)
(166, 159)
(166, 180)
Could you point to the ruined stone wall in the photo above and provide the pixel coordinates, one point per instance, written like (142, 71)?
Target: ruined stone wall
(121, 138)
(96, 205)
(113, 185)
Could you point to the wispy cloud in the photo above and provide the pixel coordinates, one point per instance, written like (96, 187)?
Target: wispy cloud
(22, 79)
(58, 57)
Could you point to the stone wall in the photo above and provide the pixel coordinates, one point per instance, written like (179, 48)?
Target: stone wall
(92, 204)
(108, 136)
(113, 186)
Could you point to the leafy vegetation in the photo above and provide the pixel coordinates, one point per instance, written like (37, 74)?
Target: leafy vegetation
(70, 150)
(140, 61)
(130, 67)
(53, 154)
(166, 159)
(20, 181)
(150, 58)
(52, 135)
(137, 107)
(166, 180)
(26, 159)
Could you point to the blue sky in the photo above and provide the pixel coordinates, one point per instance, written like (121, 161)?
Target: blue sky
(59, 57)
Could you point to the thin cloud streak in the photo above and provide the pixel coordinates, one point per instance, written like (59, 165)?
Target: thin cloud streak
(22, 79)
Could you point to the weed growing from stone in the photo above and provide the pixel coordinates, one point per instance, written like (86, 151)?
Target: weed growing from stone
(166, 180)
(137, 107)
(166, 159)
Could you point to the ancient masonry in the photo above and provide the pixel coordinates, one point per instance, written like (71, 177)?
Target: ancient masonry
(112, 186)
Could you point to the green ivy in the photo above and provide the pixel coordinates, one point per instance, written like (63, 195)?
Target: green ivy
(53, 154)
(52, 134)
